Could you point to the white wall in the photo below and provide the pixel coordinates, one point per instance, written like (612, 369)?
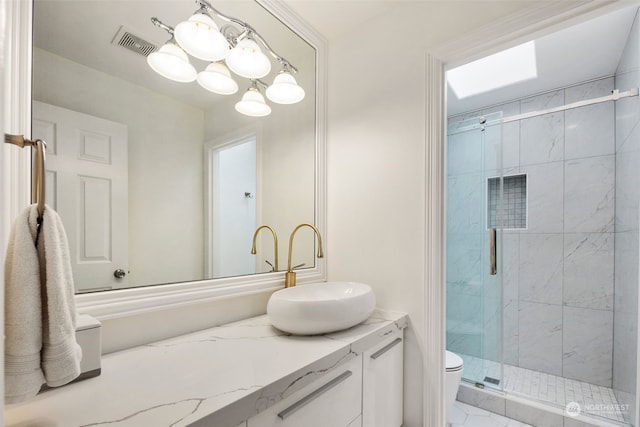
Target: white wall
(376, 158)
(165, 164)
(286, 159)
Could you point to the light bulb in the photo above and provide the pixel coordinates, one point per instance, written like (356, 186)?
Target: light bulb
(171, 62)
(216, 78)
(199, 36)
(252, 104)
(285, 89)
(247, 60)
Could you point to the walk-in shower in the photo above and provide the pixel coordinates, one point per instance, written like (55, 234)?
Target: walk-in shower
(553, 318)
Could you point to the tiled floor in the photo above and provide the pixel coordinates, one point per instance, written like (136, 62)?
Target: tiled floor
(469, 416)
(593, 399)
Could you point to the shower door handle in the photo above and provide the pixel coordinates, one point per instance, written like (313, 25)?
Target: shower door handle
(493, 264)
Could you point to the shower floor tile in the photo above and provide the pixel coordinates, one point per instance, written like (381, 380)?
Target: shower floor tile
(593, 399)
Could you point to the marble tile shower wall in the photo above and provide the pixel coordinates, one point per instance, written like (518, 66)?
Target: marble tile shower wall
(558, 273)
(627, 224)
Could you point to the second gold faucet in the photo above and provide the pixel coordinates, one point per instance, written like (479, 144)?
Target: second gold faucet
(290, 275)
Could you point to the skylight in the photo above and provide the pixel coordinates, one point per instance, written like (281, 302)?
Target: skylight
(495, 71)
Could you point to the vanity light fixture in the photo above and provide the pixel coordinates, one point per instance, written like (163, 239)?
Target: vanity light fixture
(171, 62)
(199, 37)
(229, 49)
(252, 102)
(217, 78)
(247, 60)
(284, 89)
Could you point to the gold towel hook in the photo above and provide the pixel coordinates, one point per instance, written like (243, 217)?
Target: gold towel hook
(38, 169)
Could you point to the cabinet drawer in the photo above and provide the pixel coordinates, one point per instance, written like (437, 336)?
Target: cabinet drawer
(332, 401)
(382, 399)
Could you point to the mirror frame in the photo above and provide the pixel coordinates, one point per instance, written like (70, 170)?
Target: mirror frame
(132, 301)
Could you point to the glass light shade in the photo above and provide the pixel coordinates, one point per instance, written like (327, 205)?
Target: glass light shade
(285, 89)
(199, 37)
(171, 62)
(252, 104)
(217, 78)
(247, 60)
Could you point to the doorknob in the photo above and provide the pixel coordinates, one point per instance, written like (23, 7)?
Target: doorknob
(119, 273)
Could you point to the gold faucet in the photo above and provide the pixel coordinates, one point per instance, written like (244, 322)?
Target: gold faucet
(275, 245)
(290, 275)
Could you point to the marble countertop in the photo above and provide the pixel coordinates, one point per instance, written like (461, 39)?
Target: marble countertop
(219, 376)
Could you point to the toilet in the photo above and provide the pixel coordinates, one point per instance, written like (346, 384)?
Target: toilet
(452, 379)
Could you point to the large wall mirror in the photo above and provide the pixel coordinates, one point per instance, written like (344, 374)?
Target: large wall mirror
(159, 182)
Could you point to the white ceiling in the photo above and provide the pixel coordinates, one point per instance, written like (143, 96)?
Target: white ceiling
(335, 18)
(577, 54)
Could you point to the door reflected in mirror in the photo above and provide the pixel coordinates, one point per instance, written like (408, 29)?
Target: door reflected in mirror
(162, 182)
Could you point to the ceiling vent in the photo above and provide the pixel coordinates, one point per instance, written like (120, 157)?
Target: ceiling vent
(126, 39)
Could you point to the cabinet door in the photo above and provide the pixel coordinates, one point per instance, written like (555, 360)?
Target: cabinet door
(382, 384)
(332, 401)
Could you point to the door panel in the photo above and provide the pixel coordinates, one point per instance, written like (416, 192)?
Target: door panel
(86, 180)
(473, 267)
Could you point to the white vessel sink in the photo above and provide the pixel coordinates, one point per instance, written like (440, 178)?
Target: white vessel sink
(320, 308)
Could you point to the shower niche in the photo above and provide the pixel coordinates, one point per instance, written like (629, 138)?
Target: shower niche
(513, 209)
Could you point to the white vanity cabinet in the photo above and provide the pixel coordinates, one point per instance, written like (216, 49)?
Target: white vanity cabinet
(365, 392)
(352, 378)
(332, 401)
(383, 383)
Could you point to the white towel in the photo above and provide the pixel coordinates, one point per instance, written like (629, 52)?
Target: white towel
(23, 314)
(40, 315)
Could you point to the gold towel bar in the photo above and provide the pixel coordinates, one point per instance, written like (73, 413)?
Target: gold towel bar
(38, 176)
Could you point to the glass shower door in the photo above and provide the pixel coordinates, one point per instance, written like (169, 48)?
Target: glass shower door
(474, 235)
